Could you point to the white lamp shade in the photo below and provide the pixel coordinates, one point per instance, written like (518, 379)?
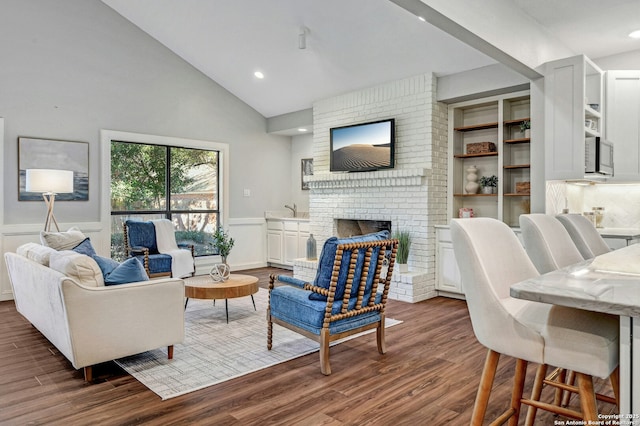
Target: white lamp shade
(49, 180)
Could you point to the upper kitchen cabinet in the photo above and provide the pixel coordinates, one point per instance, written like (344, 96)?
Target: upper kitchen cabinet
(623, 123)
(573, 111)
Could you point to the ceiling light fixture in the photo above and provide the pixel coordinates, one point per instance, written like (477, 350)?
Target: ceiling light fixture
(635, 34)
(259, 75)
(302, 129)
(422, 19)
(302, 37)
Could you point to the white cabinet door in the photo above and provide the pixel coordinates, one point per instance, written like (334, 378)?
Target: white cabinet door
(623, 123)
(569, 85)
(448, 272)
(290, 247)
(274, 246)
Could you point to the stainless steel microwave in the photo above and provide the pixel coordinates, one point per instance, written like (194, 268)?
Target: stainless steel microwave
(598, 156)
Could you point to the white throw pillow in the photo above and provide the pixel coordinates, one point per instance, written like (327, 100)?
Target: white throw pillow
(62, 240)
(36, 252)
(79, 267)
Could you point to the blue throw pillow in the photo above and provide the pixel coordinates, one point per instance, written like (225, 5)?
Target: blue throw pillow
(85, 247)
(106, 264)
(327, 258)
(129, 271)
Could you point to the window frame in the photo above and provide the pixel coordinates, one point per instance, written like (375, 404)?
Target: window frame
(107, 136)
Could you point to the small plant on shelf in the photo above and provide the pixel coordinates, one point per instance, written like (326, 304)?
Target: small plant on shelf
(488, 184)
(525, 125)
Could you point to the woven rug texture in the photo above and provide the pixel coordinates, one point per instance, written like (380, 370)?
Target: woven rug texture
(214, 351)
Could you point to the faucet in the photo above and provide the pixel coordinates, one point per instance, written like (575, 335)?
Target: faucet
(294, 209)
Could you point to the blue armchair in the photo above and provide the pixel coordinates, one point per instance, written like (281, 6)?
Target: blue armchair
(348, 295)
(140, 242)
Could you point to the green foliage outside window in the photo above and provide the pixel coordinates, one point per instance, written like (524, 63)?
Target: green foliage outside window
(139, 180)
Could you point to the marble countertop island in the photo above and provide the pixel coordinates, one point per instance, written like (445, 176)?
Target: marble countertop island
(610, 283)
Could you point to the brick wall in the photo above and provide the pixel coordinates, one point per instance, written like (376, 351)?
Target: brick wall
(412, 195)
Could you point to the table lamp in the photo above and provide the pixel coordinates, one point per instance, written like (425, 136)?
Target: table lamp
(49, 182)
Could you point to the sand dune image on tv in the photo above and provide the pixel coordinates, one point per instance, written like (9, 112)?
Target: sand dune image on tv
(362, 147)
(362, 157)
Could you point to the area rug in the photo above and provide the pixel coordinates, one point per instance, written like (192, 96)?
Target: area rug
(214, 351)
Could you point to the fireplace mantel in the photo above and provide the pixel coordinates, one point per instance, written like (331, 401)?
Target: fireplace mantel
(379, 178)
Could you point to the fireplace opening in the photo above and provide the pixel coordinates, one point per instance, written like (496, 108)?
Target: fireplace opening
(346, 228)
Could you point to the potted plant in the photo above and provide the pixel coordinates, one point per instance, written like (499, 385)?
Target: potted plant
(525, 128)
(402, 256)
(223, 243)
(489, 184)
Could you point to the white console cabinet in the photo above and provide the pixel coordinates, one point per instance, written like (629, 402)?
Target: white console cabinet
(286, 240)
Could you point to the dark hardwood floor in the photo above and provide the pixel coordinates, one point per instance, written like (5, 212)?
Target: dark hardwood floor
(429, 375)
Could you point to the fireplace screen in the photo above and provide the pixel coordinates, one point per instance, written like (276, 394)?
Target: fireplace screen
(351, 227)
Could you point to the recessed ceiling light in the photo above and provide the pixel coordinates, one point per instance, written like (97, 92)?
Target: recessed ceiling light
(422, 19)
(302, 129)
(259, 75)
(635, 34)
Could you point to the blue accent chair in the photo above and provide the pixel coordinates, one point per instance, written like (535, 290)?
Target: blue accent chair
(140, 242)
(348, 295)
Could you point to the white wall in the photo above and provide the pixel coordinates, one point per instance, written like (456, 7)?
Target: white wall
(621, 61)
(301, 147)
(73, 67)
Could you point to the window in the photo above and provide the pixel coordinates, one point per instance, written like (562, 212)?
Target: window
(151, 181)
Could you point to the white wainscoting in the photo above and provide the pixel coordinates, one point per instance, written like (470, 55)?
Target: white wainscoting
(13, 236)
(250, 248)
(249, 251)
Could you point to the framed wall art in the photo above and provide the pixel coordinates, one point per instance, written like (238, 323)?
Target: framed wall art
(307, 170)
(57, 155)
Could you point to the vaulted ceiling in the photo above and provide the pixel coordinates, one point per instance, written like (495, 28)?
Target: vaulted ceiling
(348, 44)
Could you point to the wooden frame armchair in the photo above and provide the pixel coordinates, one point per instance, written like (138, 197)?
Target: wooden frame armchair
(348, 296)
(140, 242)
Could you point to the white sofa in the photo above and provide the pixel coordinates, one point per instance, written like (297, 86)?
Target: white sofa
(62, 293)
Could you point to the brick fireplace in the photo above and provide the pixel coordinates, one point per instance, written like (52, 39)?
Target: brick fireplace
(411, 196)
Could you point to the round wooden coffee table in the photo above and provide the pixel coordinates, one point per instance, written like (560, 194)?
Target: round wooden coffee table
(203, 287)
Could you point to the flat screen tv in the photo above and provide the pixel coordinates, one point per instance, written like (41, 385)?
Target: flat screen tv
(363, 147)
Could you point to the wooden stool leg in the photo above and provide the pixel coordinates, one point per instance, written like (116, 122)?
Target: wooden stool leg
(541, 373)
(571, 380)
(518, 387)
(484, 389)
(587, 397)
(170, 352)
(615, 384)
(559, 394)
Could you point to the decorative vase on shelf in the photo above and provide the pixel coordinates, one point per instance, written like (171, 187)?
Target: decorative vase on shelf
(472, 184)
(527, 133)
(487, 190)
(312, 253)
